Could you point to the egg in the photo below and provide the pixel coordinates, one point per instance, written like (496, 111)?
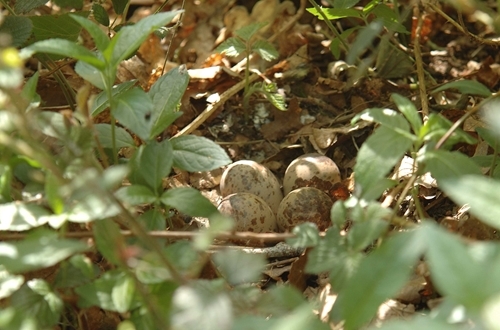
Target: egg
(250, 212)
(311, 170)
(252, 177)
(306, 204)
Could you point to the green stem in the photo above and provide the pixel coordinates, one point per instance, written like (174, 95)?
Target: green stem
(329, 24)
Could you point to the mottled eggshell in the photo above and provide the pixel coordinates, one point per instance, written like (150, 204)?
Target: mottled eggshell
(311, 170)
(252, 177)
(250, 212)
(306, 204)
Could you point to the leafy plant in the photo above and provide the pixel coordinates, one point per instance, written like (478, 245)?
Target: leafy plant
(246, 42)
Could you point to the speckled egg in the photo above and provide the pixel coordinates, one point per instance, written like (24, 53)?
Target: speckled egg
(311, 170)
(250, 212)
(306, 204)
(252, 177)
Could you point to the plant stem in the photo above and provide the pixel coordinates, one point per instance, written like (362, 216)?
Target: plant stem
(329, 24)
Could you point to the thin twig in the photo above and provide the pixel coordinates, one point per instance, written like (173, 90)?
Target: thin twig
(420, 66)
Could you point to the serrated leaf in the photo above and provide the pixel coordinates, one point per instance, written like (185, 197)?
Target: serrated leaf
(119, 6)
(166, 94)
(306, 235)
(18, 27)
(239, 267)
(129, 38)
(37, 299)
(100, 38)
(122, 138)
(64, 48)
(136, 195)
(101, 101)
(24, 6)
(100, 14)
(42, 249)
(409, 110)
(277, 100)
(469, 87)
(247, 32)
(379, 276)
(18, 216)
(133, 110)
(90, 74)
(265, 49)
(189, 201)
(232, 47)
(151, 163)
(196, 153)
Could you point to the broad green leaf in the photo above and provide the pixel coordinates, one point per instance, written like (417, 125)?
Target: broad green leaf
(335, 13)
(336, 45)
(324, 254)
(52, 124)
(379, 276)
(90, 73)
(40, 250)
(52, 194)
(280, 300)
(218, 223)
(151, 163)
(119, 6)
(239, 267)
(189, 201)
(265, 49)
(343, 267)
(122, 138)
(306, 235)
(13, 318)
(56, 26)
(364, 40)
(489, 136)
(344, 3)
(100, 38)
(64, 48)
(133, 110)
(391, 61)
(100, 14)
(389, 18)
(19, 216)
(447, 164)
(409, 110)
(37, 299)
(419, 322)
(166, 94)
(436, 126)
(362, 234)
(109, 240)
(376, 157)
(101, 101)
(196, 153)
(24, 6)
(388, 118)
(18, 27)
(9, 283)
(232, 47)
(247, 32)
(122, 294)
(136, 195)
(202, 305)
(469, 87)
(131, 37)
(29, 88)
(153, 220)
(480, 192)
(301, 318)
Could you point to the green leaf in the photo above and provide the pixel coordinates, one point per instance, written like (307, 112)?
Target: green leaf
(131, 37)
(64, 48)
(447, 164)
(232, 47)
(133, 110)
(29, 88)
(153, 220)
(18, 216)
(90, 73)
(37, 299)
(323, 256)
(419, 322)
(18, 27)
(301, 318)
(480, 192)
(218, 223)
(391, 61)
(344, 3)
(151, 163)
(196, 153)
(239, 267)
(52, 194)
(40, 250)
(166, 94)
(247, 32)
(101, 101)
(489, 136)
(361, 235)
(24, 6)
(265, 49)
(109, 240)
(136, 195)
(364, 40)
(71, 4)
(122, 138)
(336, 46)
(189, 201)
(379, 276)
(100, 14)
(119, 6)
(469, 87)
(306, 235)
(336, 13)
(389, 18)
(9, 283)
(409, 110)
(376, 157)
(122, 294)
(56, 26)
(100, 38)
(436, 126)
